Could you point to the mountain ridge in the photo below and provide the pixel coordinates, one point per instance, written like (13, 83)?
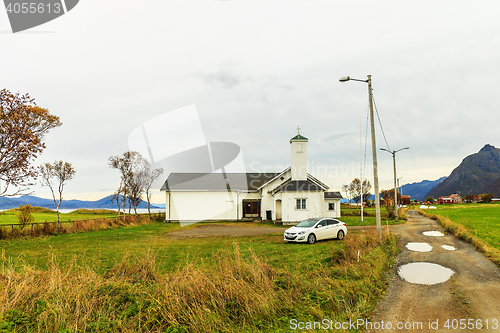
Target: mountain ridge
(103, 203)
(420, 189)
(477, 173)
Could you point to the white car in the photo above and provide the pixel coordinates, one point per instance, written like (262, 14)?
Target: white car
(314, 229)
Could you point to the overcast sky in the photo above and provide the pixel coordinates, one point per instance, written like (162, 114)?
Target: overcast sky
(255, 70)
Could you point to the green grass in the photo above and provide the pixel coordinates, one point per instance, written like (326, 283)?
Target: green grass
(481, 220)
(139, 279)
(47, 215)
(349, 217)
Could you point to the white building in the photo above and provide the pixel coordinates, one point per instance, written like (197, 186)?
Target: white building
(290, 196)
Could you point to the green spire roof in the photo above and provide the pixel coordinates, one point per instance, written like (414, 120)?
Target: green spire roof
(299, 137)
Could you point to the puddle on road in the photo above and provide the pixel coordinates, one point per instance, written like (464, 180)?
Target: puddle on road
(448, 247)
(433, 233)
(419, 247)
(424, 273)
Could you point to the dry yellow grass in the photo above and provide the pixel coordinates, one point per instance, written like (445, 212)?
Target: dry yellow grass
(232, 292)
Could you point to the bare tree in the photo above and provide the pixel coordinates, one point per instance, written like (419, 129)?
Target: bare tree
(116, 197)
(62, 172)
(124, 165)
(366, 189)
(355, 188)
(132, 167)
(23, 126)
(149, 176)
(347, 189)
(136, 184)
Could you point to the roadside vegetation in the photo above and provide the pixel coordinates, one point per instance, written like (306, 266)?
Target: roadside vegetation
(137, 279)
(478, 224)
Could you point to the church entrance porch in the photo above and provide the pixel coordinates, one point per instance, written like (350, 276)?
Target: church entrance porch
(251, 208)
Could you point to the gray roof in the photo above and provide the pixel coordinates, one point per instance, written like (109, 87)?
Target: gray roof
(333, 195)
(216, 181)
(300, 185)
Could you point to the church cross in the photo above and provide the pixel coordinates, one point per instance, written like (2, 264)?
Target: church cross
(298, 130)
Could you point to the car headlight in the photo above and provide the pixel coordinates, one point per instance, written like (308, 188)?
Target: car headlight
(302, 232)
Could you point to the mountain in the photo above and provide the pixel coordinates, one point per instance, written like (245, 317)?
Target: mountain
(478, 173)
(8, 203)
(419, 190)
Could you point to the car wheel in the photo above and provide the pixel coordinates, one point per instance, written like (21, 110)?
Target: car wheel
(340, 235)
(311, 238)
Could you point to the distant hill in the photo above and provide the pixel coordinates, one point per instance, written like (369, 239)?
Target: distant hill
(414, 190)
(419, 190)
(9, 203)
(478, 173)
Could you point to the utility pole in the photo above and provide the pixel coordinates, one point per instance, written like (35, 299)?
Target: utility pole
(395, 188)
(361, 165)
(375, 167)
(393, 152)
(374, 152)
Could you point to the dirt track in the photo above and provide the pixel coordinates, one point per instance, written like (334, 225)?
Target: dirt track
(213, 230)
(473, 292)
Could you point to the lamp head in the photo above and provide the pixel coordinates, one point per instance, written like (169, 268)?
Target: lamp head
(345, 79)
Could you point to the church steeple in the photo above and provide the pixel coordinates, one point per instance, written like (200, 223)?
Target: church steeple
(299, 156)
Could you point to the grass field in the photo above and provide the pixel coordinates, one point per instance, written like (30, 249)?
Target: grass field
(136, 279)
(350, 218)
(478, 224)
(482, 220)
(46, 215)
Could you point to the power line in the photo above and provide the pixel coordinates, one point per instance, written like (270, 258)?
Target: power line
(380, 122)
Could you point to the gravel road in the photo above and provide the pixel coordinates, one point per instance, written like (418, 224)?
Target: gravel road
(223, 230)
(469, 300)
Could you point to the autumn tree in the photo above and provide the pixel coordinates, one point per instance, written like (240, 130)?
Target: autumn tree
(23, 126)
(356, 189)
(56, 176)
(388, 196)
(469, 198)
(486, 197)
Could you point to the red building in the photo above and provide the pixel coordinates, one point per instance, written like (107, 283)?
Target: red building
(405, 200)
(444, 200)
(454, 198)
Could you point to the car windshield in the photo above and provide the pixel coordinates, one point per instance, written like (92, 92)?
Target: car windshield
(307, 223)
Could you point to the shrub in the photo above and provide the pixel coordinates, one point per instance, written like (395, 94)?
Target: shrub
(25, 216)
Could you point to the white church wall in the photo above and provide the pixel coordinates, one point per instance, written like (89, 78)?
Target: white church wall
(314, 206)
(202, 205)
(332, 213)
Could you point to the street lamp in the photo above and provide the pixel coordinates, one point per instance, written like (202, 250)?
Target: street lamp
(395, 188)
(400, 188)
(374, 152)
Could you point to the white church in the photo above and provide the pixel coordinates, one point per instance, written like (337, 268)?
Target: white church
(289, 196)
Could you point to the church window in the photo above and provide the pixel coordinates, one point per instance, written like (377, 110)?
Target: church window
(301, 204)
